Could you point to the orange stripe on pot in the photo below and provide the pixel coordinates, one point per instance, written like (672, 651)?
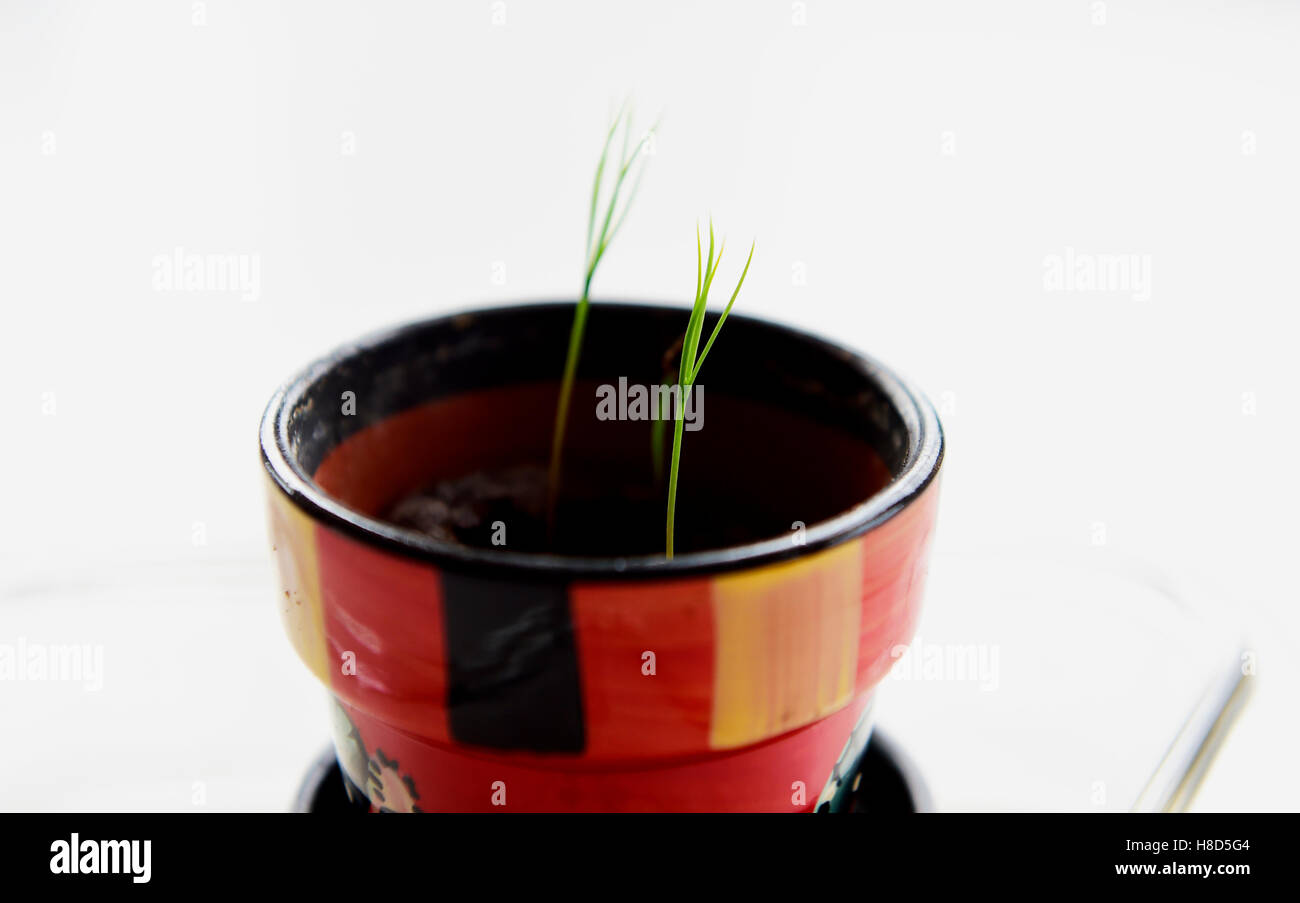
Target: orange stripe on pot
(293, 539)
(786, 645)
(645, 652)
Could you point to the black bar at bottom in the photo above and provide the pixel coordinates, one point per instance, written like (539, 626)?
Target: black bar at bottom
(627, 853)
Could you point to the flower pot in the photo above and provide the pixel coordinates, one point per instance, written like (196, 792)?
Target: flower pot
(578, 668)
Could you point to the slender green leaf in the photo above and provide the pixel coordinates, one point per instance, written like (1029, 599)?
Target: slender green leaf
(594, 251)
(600, 171)
(718, 327)
(691, 362)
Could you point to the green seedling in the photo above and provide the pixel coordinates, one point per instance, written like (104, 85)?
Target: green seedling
(597, 243)
(705, 270)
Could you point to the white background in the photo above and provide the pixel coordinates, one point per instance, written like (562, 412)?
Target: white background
(918, 162)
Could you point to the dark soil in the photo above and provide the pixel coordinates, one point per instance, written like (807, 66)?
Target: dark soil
(595, 517)
(463, 510)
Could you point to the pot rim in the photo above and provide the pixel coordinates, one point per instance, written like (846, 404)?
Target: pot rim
(924, 455)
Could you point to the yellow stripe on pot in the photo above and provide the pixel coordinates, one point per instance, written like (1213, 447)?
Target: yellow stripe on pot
(293, 537)
(786, 645)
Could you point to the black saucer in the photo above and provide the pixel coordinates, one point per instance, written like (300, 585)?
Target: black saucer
(885, 782)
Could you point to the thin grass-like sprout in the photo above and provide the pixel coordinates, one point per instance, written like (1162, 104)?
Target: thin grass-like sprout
(596, 245)
(722, 319)
(692, 361)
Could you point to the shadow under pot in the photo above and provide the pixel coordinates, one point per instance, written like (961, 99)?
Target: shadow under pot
(485, 652)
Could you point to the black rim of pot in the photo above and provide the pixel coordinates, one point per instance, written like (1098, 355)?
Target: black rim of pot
(924, 456)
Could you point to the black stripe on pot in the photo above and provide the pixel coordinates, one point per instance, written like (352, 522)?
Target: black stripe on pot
(512, 669)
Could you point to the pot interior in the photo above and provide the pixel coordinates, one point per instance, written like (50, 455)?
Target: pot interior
(793, 430)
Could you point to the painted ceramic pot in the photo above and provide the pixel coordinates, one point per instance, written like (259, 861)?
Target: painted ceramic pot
(733, 677)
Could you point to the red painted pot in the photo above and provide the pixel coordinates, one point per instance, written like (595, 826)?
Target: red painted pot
(498, 678)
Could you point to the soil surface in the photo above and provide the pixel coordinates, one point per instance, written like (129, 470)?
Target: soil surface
(595, 516)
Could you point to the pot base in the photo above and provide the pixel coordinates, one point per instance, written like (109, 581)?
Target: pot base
(885, 782)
